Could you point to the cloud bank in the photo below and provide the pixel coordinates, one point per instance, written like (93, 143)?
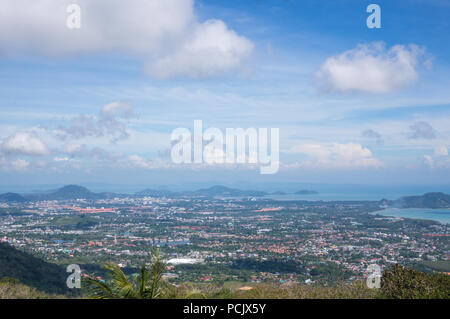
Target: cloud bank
(109, 122)
(165, 35)
(337, 155)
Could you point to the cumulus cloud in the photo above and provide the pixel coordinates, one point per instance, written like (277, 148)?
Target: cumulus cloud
(20, 165)
(165, 35)
(107, 123)
(314, 150)
(82, 150)
(23, 143)
(372, 68)
(441, 151)
(213, 49)
(439, 160)
(422, 130)
(336, 155)
(371, 134)
(138, 161)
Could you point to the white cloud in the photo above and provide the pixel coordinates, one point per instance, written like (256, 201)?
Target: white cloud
(107, 123)
(351, 151)
(137, 161)
(336, 155)
(166, 35)
(314, 150)
(429, 161)
(110, 111)
(213, 49)
(441, 151)
(371, 68)
(440, 158)
(20, 165)
(24, 143)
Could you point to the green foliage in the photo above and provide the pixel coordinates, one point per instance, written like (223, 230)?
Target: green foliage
(274, 265)
(329, 272)
(32, 271)
(77, 221)
(11, 288)
(147, 285)
(440, 265)
(406, 283)
(357, 290)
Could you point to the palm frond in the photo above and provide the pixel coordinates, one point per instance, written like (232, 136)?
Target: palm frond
(98, 290)
(142, 281)
(147, 284)
(120, 283)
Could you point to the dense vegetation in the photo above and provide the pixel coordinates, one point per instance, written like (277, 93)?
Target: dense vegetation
(396, 283)
(429, 200)
(31, 271)
(11, 288)
(407, 283)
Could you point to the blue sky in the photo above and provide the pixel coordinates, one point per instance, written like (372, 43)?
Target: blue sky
(98, 104)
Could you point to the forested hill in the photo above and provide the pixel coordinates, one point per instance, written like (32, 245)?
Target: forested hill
(31, 271)
(429, 200)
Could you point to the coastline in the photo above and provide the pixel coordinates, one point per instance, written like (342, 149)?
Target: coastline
(441, 215)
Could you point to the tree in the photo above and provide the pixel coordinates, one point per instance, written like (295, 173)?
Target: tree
(407, 283)
(147, 285)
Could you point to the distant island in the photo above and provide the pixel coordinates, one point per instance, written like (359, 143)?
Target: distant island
(306, 192)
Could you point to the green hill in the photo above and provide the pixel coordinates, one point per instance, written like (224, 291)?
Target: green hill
(31, 271)
(12, 198)
(429, 200)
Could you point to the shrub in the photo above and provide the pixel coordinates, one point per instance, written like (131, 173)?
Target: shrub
(407, 283)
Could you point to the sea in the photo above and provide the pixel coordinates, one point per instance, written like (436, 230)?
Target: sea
(439, 215)
(359, 192)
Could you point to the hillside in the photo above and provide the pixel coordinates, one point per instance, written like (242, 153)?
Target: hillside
(13, 289)
(31, 271)
(429, 200)
(12, 198)
(72, 192)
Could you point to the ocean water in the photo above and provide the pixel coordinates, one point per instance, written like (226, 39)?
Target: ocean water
(440, 215)
(359, 192)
